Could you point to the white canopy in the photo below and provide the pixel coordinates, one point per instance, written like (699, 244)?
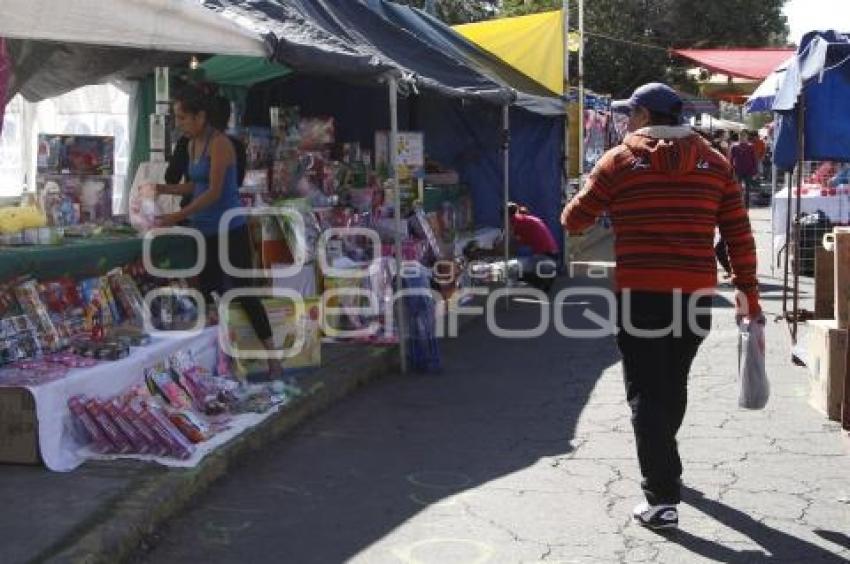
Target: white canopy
(162, 25)
(710, 123)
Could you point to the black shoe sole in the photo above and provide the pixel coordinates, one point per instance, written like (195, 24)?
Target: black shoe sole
(654, 527)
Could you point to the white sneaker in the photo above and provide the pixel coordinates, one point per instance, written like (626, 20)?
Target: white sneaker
(656, 517)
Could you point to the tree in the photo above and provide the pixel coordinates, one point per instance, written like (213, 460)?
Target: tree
(627, 40)
(458, 11)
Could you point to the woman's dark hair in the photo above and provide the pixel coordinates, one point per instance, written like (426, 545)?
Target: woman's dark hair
(193, 100)
(219, 113)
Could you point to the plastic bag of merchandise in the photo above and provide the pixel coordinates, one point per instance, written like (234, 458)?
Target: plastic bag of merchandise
(752, 377)
(144, 207)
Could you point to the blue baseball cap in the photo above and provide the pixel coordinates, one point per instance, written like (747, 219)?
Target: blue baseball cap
(655, 97)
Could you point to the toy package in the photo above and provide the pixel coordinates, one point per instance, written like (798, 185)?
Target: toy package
(136, 439)
(287, 323)
(191, 426)
(120, 443)
(65, 306)
(157, 446)
(159, 423)
(160, 382)
(258, 147)
(76, 154)
(86, 426)
(30, 302)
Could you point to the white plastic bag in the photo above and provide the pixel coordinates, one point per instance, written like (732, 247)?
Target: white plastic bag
(752, 377)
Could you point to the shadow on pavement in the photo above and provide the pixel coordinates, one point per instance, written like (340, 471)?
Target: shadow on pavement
(778, 546)
(835, 537)
(351, 477)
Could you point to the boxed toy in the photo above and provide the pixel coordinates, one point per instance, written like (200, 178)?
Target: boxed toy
(287, 323)
(76, 154)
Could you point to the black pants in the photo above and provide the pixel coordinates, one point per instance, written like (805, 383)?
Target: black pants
(214, 279)
(546, 264)
(656, 371)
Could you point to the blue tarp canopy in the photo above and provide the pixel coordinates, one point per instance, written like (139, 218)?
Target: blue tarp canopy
(348, 39)
(820, 77)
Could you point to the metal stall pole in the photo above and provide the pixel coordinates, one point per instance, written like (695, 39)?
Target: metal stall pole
(801, 159)
(580, 93)
(787, 267)
(506, 186)
(565, 12)
(392, 82)
(773, 185)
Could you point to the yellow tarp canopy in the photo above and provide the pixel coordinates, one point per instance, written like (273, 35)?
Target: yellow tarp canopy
(533, 44)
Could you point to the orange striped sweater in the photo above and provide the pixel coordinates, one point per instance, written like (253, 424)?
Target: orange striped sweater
(666, 190)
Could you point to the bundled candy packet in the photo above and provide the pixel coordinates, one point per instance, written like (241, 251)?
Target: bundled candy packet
(137, 440)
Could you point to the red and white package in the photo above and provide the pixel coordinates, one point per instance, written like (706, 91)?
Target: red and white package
(158, 421)
(99, 441)
(157, 446)
(113, 409)
(119, 441)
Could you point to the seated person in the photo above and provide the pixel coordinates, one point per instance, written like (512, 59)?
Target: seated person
(540, 267)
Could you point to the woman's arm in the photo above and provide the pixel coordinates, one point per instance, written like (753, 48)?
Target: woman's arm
(221, 156)
(175, 189)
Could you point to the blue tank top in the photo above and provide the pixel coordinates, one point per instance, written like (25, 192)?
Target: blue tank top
(207, 220)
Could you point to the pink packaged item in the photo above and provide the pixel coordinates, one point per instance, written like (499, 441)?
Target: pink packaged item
(113, 409)
(156, 446)
(99, 442)
(120, 442)
(158, 421)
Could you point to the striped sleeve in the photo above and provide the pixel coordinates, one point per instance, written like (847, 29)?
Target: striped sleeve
(583, 210)
(734, 224)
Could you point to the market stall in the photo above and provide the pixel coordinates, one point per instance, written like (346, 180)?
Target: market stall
(93, 312)
(807, 95)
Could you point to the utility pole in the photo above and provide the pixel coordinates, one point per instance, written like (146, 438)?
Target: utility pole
(580, 92)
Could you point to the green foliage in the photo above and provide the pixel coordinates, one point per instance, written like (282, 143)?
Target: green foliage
(459, 11)
(615, 60)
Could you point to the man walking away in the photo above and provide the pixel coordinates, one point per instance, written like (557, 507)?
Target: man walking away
(666, 190)
(742, 155)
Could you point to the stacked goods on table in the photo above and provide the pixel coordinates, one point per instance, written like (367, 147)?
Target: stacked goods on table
(98, 318)
(179, 405)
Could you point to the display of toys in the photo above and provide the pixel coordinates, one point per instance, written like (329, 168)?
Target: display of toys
(76, 154)
(89, 428)
(160, 382)
(316, 133)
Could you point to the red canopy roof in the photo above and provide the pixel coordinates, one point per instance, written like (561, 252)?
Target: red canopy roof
(755, 64)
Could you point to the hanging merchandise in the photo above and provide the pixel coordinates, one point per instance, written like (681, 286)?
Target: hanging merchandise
(420, 308)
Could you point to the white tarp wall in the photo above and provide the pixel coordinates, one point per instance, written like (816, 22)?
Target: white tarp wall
(91, 110)
(162, 25)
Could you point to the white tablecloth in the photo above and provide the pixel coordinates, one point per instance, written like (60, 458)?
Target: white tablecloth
(59, 448)
(812, 199)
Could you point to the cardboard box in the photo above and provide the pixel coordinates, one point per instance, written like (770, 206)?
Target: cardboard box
(824, 283)
(826, 366)
(18, 427)
(285, 323)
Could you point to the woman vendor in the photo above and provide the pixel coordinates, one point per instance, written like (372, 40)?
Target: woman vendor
(213, 185)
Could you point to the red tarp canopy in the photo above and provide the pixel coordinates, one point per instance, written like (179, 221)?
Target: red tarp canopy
(754, 64)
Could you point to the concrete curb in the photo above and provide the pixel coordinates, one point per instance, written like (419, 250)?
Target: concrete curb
(117, 531)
